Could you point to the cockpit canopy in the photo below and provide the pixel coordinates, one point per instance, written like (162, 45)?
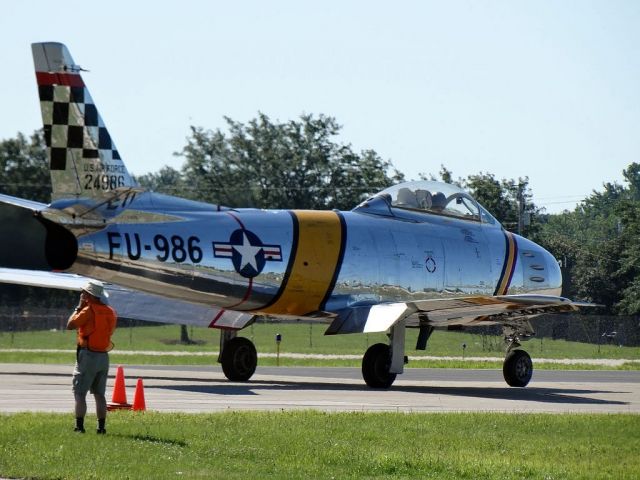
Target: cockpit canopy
(437, 198)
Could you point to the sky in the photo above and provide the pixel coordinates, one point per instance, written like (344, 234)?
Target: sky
(544, 89)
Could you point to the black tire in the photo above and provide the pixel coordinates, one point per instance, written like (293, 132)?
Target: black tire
(517, 368)
(375, 366)
(239, 359)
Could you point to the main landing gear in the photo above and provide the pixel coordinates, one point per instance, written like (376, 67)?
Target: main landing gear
(381, 363)
(238, 356)
(376, 366)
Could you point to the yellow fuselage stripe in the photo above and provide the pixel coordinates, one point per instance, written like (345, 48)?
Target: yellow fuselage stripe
(316, 260)
(508, 271)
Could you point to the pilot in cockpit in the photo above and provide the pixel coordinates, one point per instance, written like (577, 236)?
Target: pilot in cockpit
(436, 198)
(406, 198)
(438, 202)
(423, 197)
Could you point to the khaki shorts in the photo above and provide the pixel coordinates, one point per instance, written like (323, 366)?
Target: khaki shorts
(90, 373)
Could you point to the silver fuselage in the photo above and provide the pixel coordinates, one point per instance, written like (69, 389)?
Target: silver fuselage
(296, 262)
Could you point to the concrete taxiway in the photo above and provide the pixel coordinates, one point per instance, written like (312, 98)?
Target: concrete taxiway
(47, 388)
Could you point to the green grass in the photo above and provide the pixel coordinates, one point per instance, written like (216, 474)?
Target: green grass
(311, 339)
(140, 359)
(303, 338)
(320, 445)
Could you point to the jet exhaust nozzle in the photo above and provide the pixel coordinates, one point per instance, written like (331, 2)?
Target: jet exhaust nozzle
(34, 243)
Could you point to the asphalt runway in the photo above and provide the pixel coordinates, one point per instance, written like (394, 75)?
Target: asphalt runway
(47, 388)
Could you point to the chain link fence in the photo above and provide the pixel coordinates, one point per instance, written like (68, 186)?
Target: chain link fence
(16, 319)
(595, 329)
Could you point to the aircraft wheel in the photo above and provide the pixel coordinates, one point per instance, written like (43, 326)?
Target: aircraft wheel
(239, 359)
(517, 368)
(375, 366)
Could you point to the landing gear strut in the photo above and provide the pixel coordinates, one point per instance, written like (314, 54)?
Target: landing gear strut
(381, 363)
(238, 356)
(517, 368)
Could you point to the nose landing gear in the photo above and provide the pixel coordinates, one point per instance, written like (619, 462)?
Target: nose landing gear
(517, 368)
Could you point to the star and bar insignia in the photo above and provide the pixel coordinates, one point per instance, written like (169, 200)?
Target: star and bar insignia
(247, 252)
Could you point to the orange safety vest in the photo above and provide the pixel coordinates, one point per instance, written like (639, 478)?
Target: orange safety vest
(95, 333)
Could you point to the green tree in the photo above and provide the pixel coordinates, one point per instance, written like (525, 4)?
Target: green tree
(296, 164)
(24, 168)
(628, 272)
(509, 201)
(495, 196)
(598, 245)
(167, 180)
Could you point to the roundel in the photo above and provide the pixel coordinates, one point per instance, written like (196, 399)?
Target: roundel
(248, 255)
(430, 263)
(247, 252)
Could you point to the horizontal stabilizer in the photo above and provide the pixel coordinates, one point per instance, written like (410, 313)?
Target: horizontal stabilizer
(22, 203)
(37, 278)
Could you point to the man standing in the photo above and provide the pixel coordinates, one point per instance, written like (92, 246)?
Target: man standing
(95, 322)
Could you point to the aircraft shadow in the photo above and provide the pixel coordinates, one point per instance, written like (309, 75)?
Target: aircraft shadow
(529, 394)
(254, 387)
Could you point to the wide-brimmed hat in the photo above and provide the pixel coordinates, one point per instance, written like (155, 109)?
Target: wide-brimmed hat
(96, 288)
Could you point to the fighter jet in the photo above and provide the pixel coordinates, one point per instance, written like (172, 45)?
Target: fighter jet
(422, 255)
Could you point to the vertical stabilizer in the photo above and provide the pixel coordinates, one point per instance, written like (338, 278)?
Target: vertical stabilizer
(83, 160)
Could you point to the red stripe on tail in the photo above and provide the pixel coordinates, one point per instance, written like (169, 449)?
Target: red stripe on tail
(68, 79)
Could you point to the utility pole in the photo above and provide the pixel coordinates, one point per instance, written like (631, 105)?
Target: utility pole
(520, 208)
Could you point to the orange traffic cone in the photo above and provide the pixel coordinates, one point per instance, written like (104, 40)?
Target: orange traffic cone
(119, 397)
(138, 397)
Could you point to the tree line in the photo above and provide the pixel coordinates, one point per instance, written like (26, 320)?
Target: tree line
(301, 164)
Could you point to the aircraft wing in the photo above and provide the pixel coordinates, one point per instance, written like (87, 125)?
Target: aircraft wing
(134, 304)
(462, 311)
(21, 202)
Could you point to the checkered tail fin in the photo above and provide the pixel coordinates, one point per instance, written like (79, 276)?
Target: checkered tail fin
(83, 160)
